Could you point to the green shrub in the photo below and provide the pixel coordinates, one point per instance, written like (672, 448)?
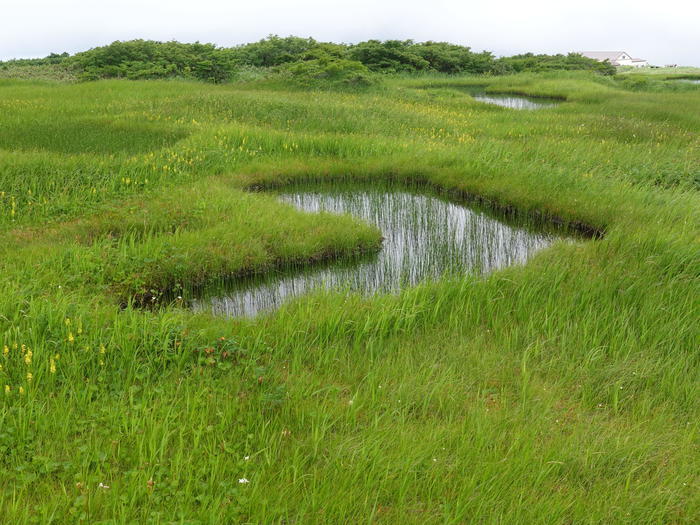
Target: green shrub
(330, 70)
(274, 51)
(142, 59)
(540, 63)
(147, 59)
(451, 58)
(391, 56)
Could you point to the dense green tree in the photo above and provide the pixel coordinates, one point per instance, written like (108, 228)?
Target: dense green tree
(326, 49)
(538, 63)
(327, 69)
(311, 60)
(149, 59)
(452, 58)
(53, 58)
(390, 56)
(274, 51)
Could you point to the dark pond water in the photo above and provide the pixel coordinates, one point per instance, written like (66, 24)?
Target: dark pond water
(512, 101)
(425, 237)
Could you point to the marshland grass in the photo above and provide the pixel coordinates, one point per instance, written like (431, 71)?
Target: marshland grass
(667, 72)
(560, 391)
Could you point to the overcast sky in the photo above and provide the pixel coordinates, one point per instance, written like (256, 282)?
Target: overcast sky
(663, 32)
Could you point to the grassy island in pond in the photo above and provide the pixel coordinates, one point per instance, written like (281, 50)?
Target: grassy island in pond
(563, 390)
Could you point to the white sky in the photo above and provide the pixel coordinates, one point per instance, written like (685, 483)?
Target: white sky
(663, 32)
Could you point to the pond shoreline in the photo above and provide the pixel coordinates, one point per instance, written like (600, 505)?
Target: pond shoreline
(427, 235)
(459, 195)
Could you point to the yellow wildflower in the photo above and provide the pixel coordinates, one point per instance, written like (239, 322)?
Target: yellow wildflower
(21, 391)
(71, 339)
(7, 389)
(28, 357)
(102, 349)
(67, 321)
(5, 350)
(29, 377)
(52, 366)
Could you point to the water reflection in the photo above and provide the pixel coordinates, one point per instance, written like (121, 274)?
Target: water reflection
(511, 101)
(425, 237)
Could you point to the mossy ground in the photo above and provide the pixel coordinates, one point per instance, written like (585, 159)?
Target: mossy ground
(563, 391)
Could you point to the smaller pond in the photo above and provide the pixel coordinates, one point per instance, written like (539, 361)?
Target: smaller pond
(511, 101)
(425, 237)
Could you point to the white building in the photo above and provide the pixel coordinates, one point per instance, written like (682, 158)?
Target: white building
(616, 58)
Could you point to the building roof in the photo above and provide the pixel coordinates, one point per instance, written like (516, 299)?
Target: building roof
(604, 55)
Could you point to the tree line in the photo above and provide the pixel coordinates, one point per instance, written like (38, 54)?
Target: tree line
(302, 58)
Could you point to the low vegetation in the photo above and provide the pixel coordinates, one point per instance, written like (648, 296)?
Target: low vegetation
(561, 391)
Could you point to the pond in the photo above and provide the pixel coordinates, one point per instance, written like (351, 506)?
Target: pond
(511, 101)
(425, 235)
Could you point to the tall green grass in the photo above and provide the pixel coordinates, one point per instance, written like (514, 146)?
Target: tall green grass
(562, 391)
